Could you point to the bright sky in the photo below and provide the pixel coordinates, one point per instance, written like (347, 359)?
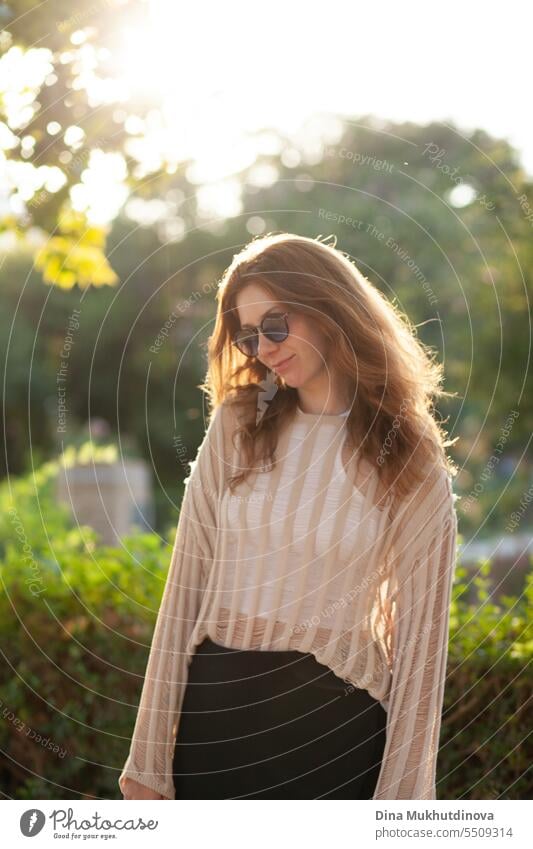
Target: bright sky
(216, 71)
(282, 61)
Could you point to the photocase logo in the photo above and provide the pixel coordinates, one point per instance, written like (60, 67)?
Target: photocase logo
(267, 391)
(32, 822)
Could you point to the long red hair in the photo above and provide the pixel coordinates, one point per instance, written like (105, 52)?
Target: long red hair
(391, 375)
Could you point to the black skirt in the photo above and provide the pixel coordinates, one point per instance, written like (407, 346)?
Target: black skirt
(274, 725)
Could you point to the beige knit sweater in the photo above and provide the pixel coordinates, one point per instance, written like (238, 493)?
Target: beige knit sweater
(303, 557)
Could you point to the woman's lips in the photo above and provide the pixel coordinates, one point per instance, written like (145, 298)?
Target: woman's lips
(284, 364)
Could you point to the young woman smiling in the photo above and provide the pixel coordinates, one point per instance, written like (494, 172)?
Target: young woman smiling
(300, 648)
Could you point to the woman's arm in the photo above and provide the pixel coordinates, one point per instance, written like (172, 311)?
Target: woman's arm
(149, 762)
(424, 556)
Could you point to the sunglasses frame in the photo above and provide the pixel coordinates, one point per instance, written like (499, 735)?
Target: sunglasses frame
(259, 329)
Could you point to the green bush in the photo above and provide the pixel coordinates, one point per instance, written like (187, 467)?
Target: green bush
(76, 621)
(483, 748)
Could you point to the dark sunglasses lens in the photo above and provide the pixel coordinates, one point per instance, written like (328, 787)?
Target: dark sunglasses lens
(247, 343)
(275, 329)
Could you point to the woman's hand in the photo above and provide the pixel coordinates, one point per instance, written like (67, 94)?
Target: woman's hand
(134, 790)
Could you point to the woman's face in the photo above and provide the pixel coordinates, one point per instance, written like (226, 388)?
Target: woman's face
(304, 349)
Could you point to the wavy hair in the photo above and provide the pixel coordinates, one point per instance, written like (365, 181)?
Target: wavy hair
(391, 375)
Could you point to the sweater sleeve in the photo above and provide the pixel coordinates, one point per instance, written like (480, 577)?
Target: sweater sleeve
(424, 555)
(150, 757)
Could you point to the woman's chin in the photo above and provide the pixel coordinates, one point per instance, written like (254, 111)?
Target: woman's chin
(293, 383)
(291, 379)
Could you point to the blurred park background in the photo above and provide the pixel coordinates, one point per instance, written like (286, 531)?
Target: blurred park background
(134, 166)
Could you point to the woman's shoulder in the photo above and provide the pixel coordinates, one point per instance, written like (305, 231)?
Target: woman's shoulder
(434, 485)
(430, 503)
(224, 423)
(225, 417)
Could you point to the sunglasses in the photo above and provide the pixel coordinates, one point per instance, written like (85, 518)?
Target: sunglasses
(274, 327)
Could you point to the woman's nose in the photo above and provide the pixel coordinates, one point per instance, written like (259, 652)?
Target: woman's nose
(266, 347)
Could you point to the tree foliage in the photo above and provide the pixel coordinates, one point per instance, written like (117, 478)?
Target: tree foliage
(53, 132)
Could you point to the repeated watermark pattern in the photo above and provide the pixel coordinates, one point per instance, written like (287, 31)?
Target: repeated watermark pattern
(181, 450)
(31, 733)
(74, 21)
(181, 308)
(339, 604)
(76, 164)
(516, 515)
(370, 229)
(62, 372)
(362, 159)
(35, 582)
(526, 208)
(392, 434)
(492, 462)
(436, 154)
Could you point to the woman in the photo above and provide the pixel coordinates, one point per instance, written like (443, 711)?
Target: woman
(300, 648)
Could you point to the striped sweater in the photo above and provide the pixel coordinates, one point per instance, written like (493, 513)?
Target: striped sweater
(304, 556)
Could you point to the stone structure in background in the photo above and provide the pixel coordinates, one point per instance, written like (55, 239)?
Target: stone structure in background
(113, 498)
